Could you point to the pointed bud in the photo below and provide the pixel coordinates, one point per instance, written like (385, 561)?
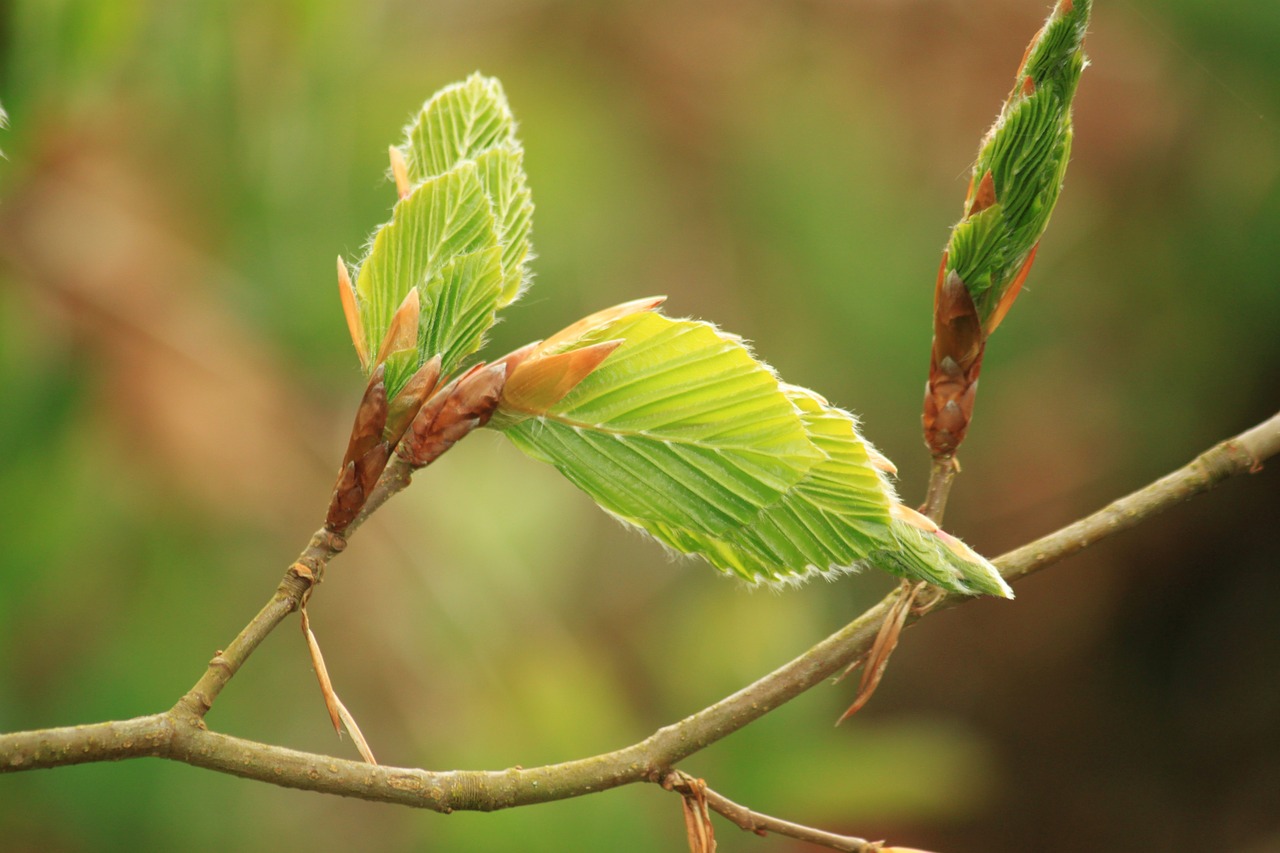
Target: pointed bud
(347, 499)
(957, 332)
(348, 295)
(515, 358)
(955, 363)
(404, 408)
(400, 170)
(478, 393)
(402, 334)
(455, 410)
(539, 383)
(369, 467)
(371, 417)
(365, 458)
(991, 248)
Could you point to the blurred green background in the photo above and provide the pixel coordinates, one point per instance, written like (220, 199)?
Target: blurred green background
(176, 385)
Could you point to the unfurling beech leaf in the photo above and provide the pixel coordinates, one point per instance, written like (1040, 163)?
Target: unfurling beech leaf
(1018, 174)
(502, 171)
(684, 434)
(1016, 180)
(471, 121)
(459, 236)
(458, 123)
(461, 309)
(441, 221)
(680, 426)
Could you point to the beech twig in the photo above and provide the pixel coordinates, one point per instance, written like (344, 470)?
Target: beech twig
(942, 473)
(180, 734)
(762, 824)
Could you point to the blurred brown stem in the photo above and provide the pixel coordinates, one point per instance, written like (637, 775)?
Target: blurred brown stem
(180, 734)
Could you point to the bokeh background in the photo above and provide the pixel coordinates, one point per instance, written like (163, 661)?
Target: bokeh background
(176, 384)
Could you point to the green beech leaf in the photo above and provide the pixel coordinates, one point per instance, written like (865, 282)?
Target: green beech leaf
(502, 172)
(828, 521)
(459, 235)
(460, 303)
(458, 123)
(682, 433)
(443, 219)
(471, 121)
(1024, 160)
(839, 519)
(679, 428)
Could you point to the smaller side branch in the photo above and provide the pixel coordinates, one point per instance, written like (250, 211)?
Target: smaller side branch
(305, 573)
(942, 474)
(762, 824)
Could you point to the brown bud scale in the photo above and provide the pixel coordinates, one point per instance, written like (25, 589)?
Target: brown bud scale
(465, 404)
(955, 362)
(366, 455)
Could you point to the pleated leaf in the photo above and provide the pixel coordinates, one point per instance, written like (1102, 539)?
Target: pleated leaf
(442, 220)
(838, 520)
(472, 122)
(1021, 165)
(682, 433)
(458, 123)
(680, 428)
(459, 303)
(502, 172)
(921, 555)
(459, 236)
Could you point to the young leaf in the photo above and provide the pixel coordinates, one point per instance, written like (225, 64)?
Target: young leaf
(459, 236)
(1016, 181)
(681, 432)
(460, 301)
(458, 123)
(1019, 171)
(841, 517)
(442, 219)
(502, 172)
(679, 428)
(471, 121)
